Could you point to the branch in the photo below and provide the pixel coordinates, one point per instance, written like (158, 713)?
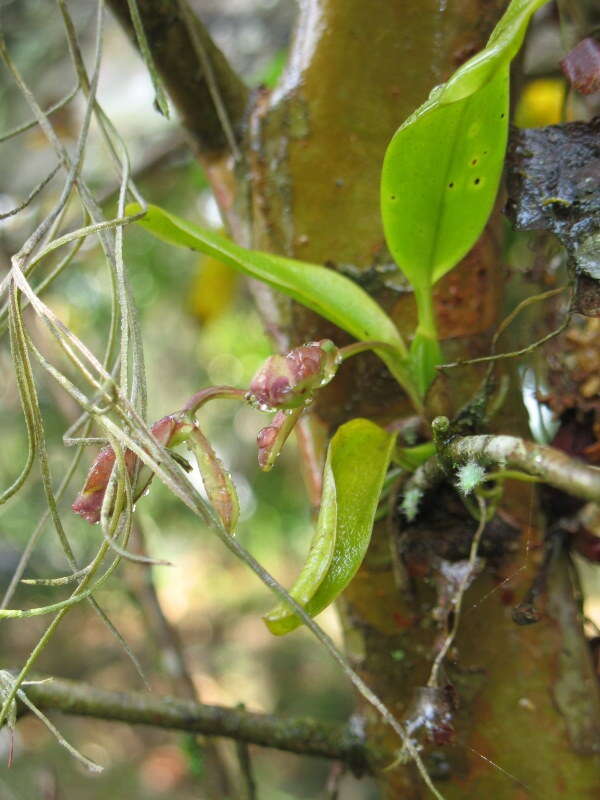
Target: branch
(194, 70)
(548, 464)
(552, 466)
(296, 735)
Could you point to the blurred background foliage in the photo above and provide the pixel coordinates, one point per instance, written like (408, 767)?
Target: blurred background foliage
(199, 328)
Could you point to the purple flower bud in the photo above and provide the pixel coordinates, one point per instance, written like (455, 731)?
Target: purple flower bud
(88, 502)
(168, 431)
(582, 66)
(286, 382)
(267, 438)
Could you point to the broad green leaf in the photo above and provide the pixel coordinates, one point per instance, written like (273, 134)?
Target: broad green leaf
(442, 168)
(323, 290)
(357, 462)
(441, 174)
(440, 179)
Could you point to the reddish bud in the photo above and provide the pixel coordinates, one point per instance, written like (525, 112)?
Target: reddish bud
(267, 439)
(581, 66)
(286, 382)
(88, 502)
(168, 431)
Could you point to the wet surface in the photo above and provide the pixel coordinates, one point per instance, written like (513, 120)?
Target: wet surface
(554, 185)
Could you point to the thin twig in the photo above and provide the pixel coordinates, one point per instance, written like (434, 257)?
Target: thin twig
(515, 353)
(548, 464)
(295, 735)
(245, 762)
(160, 96)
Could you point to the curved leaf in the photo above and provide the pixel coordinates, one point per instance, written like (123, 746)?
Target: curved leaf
(357, 462)
(280, 620)
(323, 290)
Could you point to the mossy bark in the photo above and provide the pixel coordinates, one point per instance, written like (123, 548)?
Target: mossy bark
(528, 698)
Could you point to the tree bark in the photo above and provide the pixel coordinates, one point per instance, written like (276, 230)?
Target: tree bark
(308, 186)
(316, 146)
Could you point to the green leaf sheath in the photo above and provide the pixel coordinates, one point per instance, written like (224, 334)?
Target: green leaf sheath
(323, 290)
(425, 355)
(354, 492)
(219, 487)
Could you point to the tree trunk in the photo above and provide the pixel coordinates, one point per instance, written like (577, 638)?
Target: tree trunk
(528, 698)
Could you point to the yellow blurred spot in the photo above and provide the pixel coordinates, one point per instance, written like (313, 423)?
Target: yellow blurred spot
(212, 289)
(541, 103)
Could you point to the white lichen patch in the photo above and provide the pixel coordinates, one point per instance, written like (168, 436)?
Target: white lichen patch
(469, 476)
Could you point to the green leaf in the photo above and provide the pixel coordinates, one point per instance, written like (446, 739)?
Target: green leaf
(357, 462)
(439, 182)
(442, 168)
(323, 290)
(441, 174)
(409, 458)
(503, 45)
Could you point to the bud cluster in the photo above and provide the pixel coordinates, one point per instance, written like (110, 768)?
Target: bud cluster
(289, 381)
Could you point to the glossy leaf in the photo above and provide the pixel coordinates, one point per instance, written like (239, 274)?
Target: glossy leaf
(442, 168)
(441, 174)
(440, 179)
(502, 46)
(357, 462)
(323, 290)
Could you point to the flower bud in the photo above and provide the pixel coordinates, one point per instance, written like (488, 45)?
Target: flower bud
(168, 431)
(268, 439)
(88, 502)
(287, 382)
